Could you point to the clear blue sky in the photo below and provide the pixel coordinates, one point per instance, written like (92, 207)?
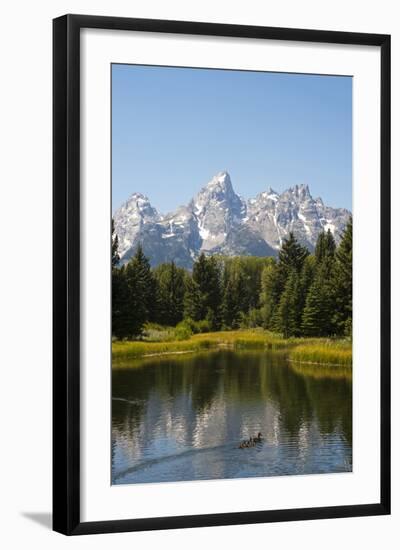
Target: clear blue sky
(174, 128)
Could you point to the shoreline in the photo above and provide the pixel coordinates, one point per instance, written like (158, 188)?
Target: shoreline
(311, 351)
(319, 364)
(162, 353)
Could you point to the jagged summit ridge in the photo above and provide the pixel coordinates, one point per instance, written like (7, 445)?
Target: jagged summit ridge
(218, 221)
(217, 210)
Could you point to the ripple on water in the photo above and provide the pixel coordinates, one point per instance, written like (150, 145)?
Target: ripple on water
(183, 420)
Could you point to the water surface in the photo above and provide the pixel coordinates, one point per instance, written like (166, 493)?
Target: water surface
(182, 418)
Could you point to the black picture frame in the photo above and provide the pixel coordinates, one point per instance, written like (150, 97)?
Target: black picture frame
(66, 273)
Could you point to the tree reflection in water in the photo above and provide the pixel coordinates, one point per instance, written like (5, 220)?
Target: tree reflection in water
(182, 418)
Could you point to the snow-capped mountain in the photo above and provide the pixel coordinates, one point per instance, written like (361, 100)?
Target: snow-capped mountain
(218, 221)
(274, 215)
(131, 218)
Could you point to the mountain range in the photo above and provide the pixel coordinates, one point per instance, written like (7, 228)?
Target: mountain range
(218, 221)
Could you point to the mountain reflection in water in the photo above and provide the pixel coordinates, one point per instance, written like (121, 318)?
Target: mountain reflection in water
(182, 418)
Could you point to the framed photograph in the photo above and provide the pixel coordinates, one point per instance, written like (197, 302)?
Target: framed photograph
(221, 340)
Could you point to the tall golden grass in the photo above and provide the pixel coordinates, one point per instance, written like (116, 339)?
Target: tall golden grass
(335, 352)
(304, 350)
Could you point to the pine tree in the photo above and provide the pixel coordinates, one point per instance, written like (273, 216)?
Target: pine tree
(330, 245)
(306, 278)
(291, 258)
(250, 269)
(325, 246)
(230, 310)
(200, 275)
(138, 313)
(292, 255)
(314, 310)
(170, 286)
(343, 281)
(270, 293)
(318, 288)
(192, 303)
(127, 316)
(286, 319)
(320, 247)
(207, 276)
(317, 317)
(233, 305)
(146, 284)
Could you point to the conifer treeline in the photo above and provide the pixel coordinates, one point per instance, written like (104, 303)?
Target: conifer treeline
(298, 294)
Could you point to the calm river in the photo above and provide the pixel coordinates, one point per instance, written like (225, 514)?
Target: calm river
(183, 417)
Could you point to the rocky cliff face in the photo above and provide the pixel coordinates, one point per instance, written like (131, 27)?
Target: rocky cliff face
(218, 221)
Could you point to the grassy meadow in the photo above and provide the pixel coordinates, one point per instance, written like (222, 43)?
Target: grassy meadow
(157, 340)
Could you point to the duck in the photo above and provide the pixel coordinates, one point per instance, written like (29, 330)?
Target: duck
(250, 442)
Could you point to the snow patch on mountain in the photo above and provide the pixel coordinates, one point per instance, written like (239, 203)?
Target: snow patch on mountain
(218, 221)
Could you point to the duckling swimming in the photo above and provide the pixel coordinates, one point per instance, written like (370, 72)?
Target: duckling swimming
(251, 442)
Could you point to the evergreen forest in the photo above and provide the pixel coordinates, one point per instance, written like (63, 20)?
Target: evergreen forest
(296, 294)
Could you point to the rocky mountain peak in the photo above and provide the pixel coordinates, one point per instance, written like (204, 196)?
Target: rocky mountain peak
(139, 205)
(222, 178)
(298, 192)
(217, 210)
(130, 219)
(137, 197)
(219, 188)
(218, 221)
